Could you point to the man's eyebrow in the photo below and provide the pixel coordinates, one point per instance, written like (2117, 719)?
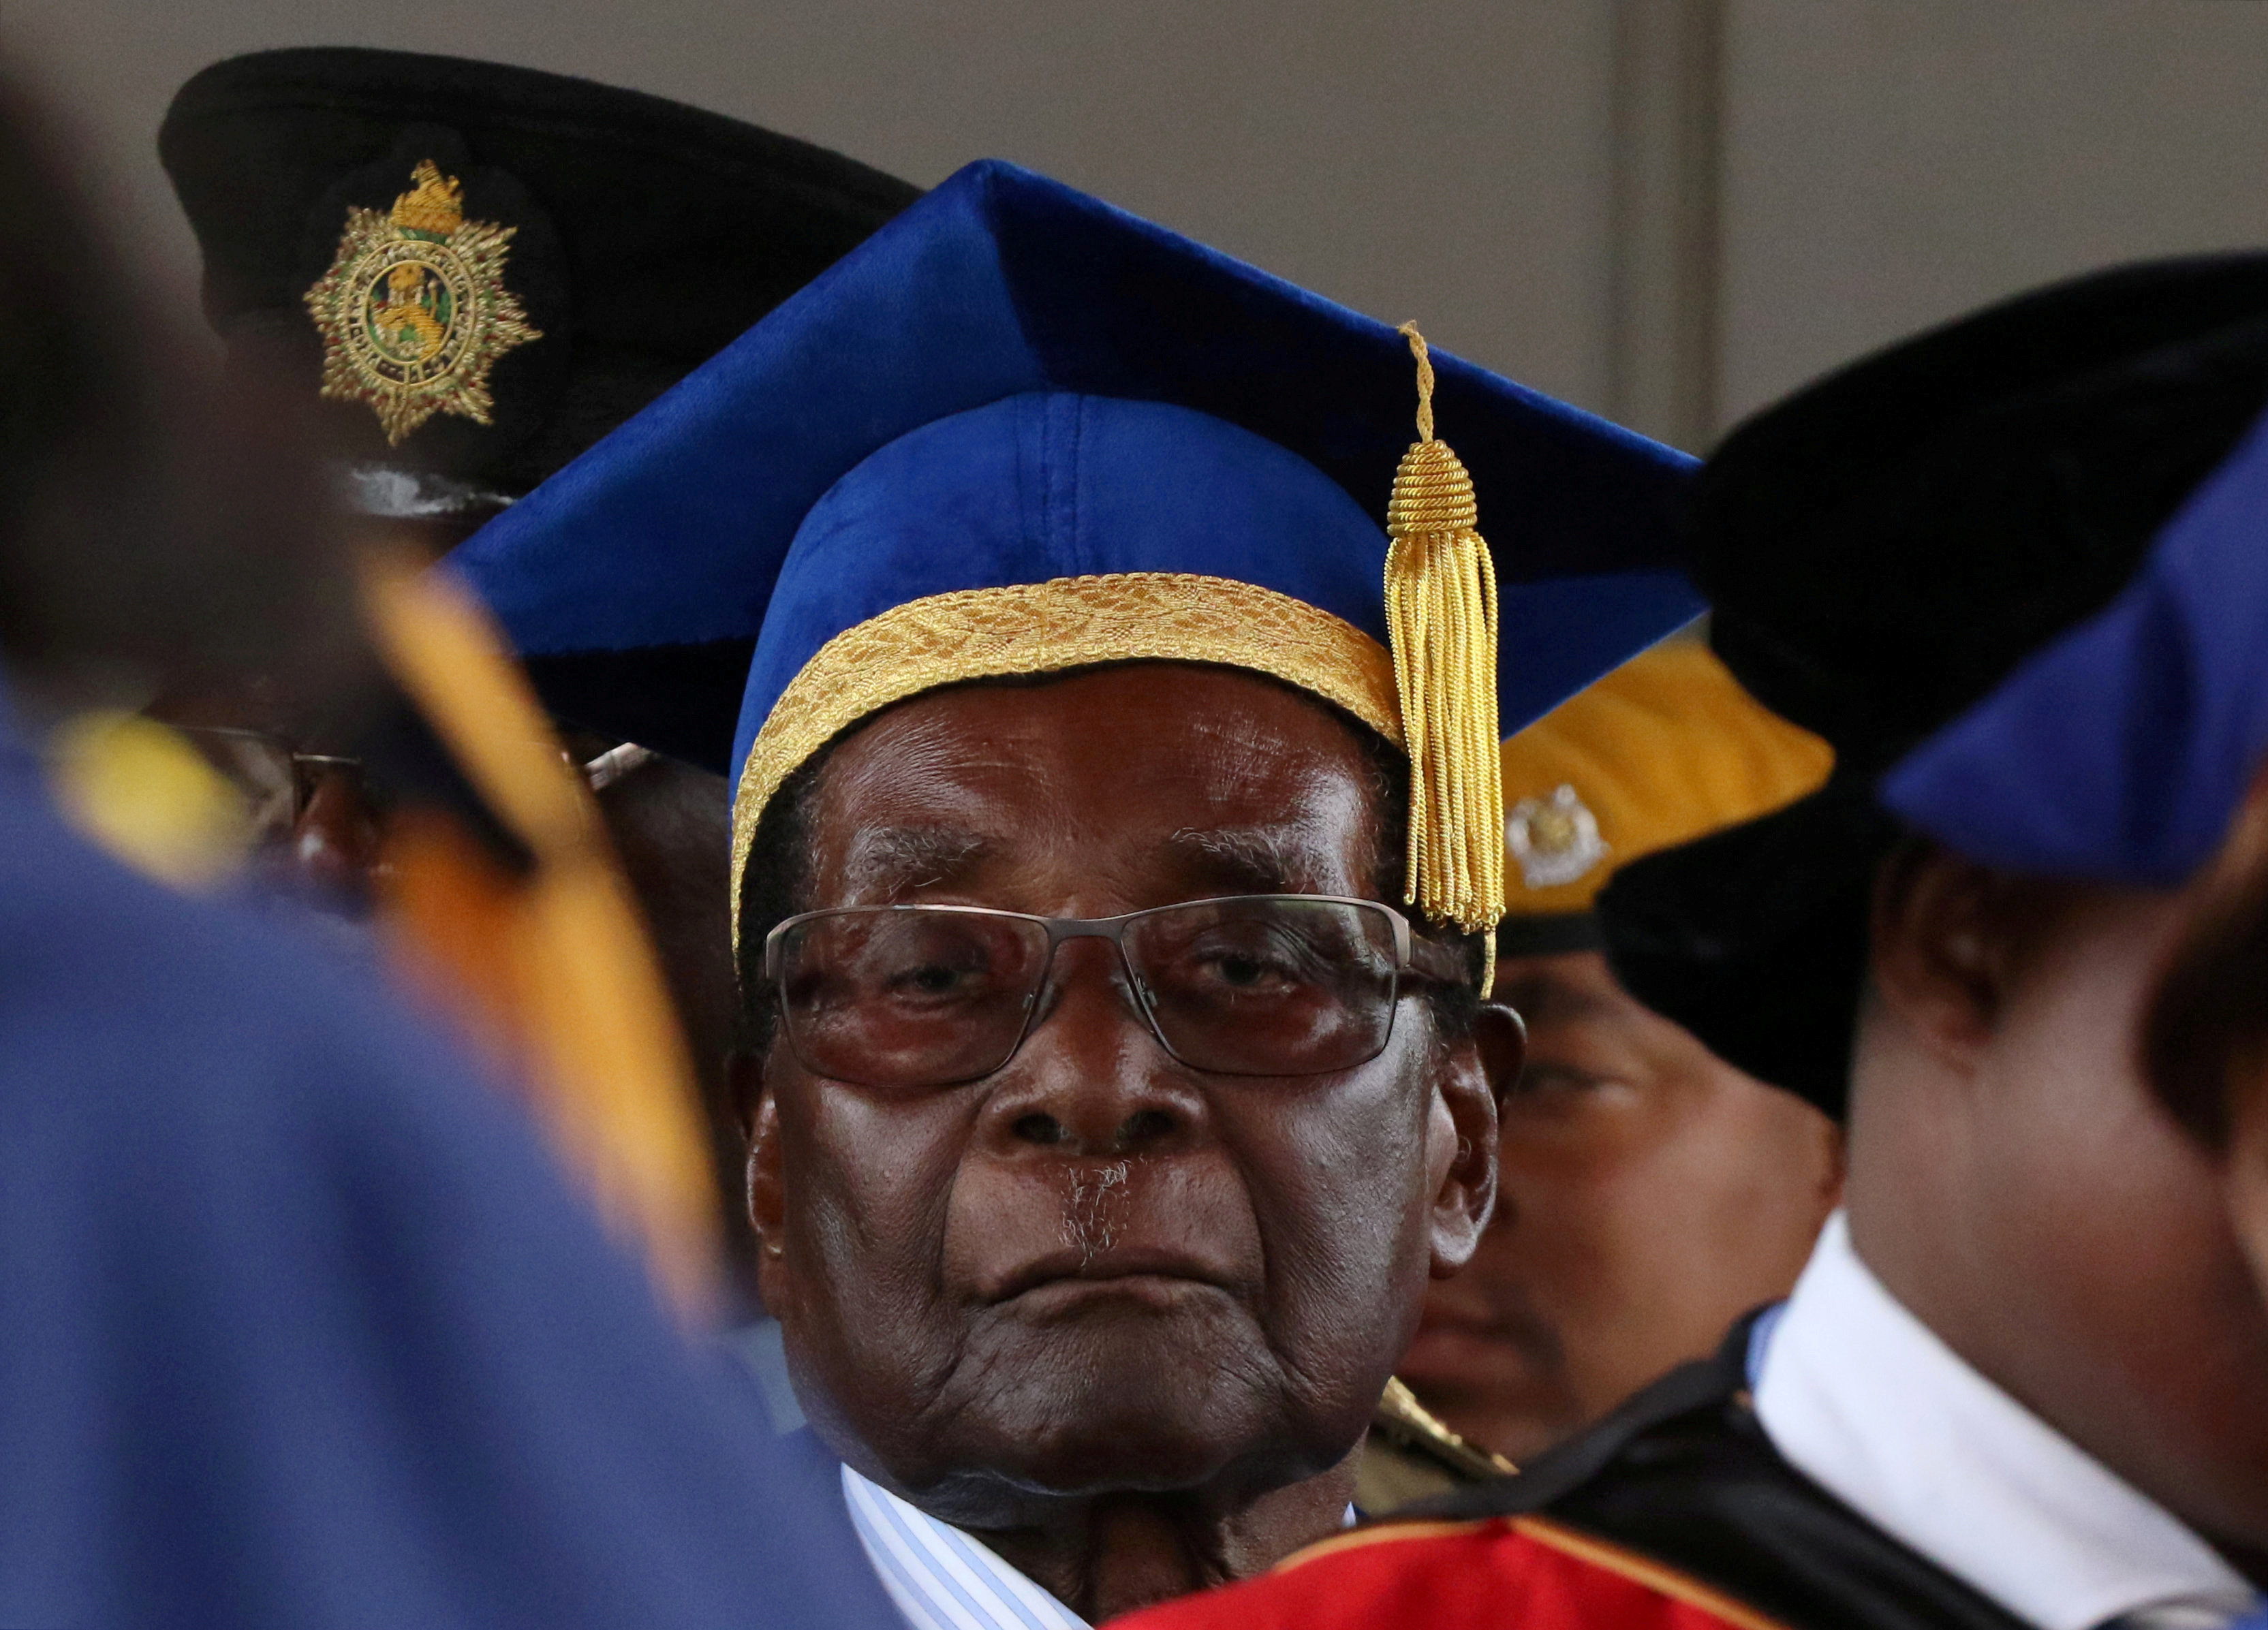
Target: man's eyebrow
(1254, 860)
(894, 861)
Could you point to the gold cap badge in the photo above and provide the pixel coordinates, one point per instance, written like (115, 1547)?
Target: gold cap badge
(414, 311)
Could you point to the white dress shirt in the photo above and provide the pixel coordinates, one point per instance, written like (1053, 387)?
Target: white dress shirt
(1865, 1400)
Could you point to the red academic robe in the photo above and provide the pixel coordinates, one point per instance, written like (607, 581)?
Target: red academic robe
(1495, 1572)
(1677, 1513)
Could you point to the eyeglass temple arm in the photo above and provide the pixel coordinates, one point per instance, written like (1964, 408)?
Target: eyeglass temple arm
(1436, 961)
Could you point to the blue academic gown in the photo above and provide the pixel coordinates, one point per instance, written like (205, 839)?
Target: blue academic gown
(298, 1326)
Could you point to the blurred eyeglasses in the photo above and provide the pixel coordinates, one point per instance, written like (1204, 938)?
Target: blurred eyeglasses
(1249, 984)
(278, 781)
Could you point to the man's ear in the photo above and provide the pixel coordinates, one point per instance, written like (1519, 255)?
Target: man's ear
(767, 1186)
(1503, 1037)
(1463, 1168)
(1948, 939)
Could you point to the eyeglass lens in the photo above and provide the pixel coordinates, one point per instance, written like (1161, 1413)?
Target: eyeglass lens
(922, 996)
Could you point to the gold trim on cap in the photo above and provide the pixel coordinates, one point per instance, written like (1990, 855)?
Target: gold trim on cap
(1047, 627)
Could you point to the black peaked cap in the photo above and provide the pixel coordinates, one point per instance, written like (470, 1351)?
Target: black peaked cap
(1880, 550)
(647, 234)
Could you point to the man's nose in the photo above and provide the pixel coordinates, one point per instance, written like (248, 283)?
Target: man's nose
(1092, 1080)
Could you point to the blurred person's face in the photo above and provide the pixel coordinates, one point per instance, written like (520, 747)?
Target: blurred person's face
(1649, 1194)
(315, 823)
(2014, 1181)
(317, 820)
(319, 826)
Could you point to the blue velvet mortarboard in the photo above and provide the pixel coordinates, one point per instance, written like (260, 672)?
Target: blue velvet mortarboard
(2121, 751)
(1063, 486)
(1012, 383)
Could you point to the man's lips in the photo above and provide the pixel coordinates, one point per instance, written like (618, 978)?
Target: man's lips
(1454, 1334)
(1463, 1321)
(1072, 1265)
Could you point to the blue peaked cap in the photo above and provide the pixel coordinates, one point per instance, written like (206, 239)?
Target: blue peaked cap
(1012, 383)
(2122, 751)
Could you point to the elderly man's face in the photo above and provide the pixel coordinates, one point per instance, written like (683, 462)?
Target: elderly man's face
(1098, 1269)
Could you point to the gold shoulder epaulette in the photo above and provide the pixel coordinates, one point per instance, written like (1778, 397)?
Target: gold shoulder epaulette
(1411, 1426)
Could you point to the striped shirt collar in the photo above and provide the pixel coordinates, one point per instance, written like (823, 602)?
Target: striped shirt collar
(941, 1578)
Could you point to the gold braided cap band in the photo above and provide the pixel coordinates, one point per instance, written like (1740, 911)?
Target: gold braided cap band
(1048, 627)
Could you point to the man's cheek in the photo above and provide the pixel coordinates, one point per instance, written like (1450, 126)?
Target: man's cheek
(854, 1243)
(1344, 1218)
(895, 1339)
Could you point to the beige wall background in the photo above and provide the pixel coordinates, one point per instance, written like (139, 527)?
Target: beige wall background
(1670, 210)
(1887, 163)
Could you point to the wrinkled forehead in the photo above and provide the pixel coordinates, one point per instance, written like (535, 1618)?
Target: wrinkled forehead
(1163, 776)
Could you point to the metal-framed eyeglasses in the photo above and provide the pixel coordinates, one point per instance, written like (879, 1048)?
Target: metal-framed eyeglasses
(912, 996)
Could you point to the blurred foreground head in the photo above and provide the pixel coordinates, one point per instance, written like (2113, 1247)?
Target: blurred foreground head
(158, 527)
(166, 541)
(1649, 1192)
(283, 1282)
(464, 274)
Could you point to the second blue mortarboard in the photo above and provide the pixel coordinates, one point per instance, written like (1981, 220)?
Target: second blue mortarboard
(1019, 431)
(2121, 751)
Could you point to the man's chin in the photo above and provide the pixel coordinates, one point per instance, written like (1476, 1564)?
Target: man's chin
(1122, 1455)
(990, 1476)
(1085, 1412)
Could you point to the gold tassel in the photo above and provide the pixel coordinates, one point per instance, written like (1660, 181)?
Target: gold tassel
(1440, 617)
